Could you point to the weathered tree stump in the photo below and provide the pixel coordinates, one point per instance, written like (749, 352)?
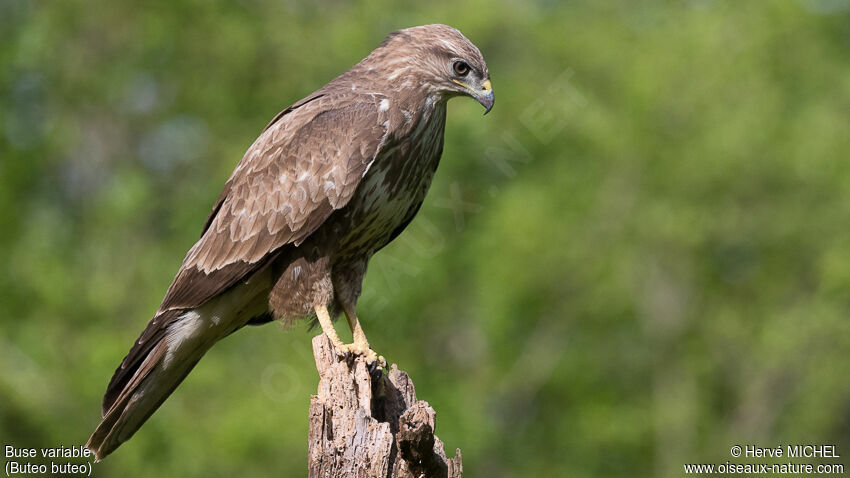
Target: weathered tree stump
(365, 428)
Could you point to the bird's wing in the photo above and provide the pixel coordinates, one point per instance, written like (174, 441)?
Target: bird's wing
(306, 164)
(290, 180)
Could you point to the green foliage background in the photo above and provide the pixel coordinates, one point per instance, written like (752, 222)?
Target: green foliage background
(638, 259)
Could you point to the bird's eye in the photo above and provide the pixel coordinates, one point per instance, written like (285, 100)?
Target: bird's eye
(461, 68)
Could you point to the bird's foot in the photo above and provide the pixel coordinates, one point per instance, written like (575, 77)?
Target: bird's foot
(375, 362)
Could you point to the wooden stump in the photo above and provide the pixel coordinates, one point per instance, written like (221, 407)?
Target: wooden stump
(363, 429)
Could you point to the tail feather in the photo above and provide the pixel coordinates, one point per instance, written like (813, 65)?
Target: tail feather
(150, 386)
(167, 350)
(135, 392)
(138, 355)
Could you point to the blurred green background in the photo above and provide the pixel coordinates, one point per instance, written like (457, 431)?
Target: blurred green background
(638, 259)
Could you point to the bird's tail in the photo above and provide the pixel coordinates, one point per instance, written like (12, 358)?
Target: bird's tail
(155, 366)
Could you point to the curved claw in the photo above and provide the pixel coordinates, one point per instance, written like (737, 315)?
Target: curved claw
(373, 360)
(373, 367)
(377, 367)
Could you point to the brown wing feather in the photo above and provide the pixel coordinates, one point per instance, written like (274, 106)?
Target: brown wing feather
(226, 189)
(306, 164)
(285, 187)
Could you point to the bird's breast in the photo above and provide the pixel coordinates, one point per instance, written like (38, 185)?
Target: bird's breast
(392, 189)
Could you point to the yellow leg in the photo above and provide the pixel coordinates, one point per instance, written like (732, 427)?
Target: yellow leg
(356, 329)
(360, 345)
(328, 328)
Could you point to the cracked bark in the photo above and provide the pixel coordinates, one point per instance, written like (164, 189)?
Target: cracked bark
(365, 428)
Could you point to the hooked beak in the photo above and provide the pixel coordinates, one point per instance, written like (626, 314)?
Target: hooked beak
(484, 95)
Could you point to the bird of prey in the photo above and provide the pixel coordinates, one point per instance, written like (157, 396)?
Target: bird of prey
(330, 181)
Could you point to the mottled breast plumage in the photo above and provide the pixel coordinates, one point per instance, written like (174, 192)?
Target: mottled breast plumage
(393, 188)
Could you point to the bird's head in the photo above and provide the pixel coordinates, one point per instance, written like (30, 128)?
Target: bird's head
(442, 59)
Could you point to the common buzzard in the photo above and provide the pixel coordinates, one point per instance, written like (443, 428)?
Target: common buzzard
(330, 181)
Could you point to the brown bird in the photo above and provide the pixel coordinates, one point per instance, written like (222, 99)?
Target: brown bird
(330, 181)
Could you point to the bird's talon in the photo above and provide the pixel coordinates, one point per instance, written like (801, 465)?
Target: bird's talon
(344, 352)
(377, 367)
(348, 352)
